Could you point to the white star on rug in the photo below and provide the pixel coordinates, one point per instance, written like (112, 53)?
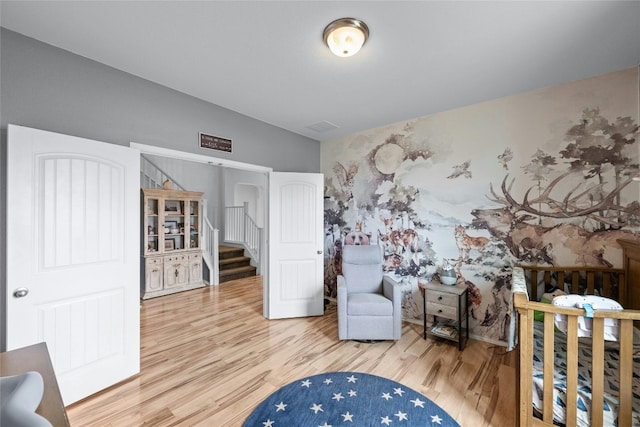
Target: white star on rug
(353, 393)
(317, 408)
(337, 396)
(398, 391)
(436, 419)
(268, 423)
(347, 417)
(386, 396)
(305, 383)
(281, 406)
(401, 416)
(328, 381)
(351, 379)
(385, 420)
(417, 402)
(325, 425)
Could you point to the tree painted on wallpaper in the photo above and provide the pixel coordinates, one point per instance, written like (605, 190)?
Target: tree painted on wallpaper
(540, 168)
(586, 214)
(598, 147)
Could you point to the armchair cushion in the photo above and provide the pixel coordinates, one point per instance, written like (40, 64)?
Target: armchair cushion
(369, 305)
(362, 268)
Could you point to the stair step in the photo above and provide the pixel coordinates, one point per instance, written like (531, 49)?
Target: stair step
(237, 273)
(228, 263)
(229, 252)
(233, 264)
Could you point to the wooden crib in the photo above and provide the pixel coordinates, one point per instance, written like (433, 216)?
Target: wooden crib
(608, 282)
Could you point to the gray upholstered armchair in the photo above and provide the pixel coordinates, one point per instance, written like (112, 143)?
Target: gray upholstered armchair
(369, 303)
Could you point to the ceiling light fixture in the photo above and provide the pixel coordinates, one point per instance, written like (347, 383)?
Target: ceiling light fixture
(345, 36)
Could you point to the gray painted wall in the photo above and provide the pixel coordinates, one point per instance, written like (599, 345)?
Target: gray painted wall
(48, 88)
(52, 89)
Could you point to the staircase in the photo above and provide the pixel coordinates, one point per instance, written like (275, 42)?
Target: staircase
(233, 264)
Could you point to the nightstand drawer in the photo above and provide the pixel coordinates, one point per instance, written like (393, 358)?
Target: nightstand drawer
(442, 298)
(446, 311)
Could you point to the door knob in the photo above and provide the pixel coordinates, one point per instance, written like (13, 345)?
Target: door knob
(20, 292)
(319, 252)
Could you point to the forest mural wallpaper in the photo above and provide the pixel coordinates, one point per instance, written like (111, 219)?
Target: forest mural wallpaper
(544, 177)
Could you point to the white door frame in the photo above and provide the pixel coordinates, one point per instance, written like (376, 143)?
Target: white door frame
(200, 158)
(216, 161)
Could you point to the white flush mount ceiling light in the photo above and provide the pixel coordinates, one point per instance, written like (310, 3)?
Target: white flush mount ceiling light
(345, 36)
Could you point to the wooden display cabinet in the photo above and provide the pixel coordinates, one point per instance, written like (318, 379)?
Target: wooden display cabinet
(171, 224)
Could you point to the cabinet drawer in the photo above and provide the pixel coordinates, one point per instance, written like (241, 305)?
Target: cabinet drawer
(442, 298)
(434, 309)
(176, 258)
(150, 262)
(195, 257)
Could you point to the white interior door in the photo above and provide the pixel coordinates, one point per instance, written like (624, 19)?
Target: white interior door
(73, 256)
(295, 285)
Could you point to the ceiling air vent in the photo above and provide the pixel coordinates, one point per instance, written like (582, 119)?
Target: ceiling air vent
(322, 127)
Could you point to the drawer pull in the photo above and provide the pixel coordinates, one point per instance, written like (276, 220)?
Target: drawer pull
(439, 298)
(440, 311)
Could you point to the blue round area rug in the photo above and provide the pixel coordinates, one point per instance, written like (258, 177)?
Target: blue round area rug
(347, 399)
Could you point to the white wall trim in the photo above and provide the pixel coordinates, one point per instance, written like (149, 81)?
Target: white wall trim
(201, 158)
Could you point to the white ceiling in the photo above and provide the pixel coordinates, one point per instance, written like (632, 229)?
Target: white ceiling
(267, 60)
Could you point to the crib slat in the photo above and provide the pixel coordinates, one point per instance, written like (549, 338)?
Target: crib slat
(548, 368)
(525, 366)
(561, 280)
(572, 371)
(534, 285)
(575, 281)
(597, 372)
(606, 283)
(547, 278)
(626, 372)
(591, 281)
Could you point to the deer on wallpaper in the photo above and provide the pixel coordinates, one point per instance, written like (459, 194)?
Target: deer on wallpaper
(537, 243)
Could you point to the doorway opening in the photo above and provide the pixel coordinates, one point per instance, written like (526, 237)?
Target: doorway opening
(231, 184)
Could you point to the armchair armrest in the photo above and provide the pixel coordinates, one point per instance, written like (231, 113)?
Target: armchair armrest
(391, 288)
(393, 291)
(342, 286)
(342, 307)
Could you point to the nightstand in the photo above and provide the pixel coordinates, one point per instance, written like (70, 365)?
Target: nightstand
(446, 312)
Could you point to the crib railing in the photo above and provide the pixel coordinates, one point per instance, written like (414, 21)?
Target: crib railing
(586, 280)
(603, 281)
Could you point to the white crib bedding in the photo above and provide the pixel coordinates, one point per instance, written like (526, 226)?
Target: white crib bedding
(611, 382)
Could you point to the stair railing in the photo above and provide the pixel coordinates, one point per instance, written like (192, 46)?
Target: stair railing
(210, 249)
(151, 176)
(240, 228)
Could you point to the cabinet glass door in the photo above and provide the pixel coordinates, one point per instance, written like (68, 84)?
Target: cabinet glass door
(194, 221)
(152, 231)
(174, 214)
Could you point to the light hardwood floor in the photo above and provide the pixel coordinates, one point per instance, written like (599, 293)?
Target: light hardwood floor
(208, 357)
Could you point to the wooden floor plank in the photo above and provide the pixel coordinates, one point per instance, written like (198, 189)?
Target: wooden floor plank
(208, 357)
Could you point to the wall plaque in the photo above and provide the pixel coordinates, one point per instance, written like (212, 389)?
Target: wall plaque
(215, 142)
